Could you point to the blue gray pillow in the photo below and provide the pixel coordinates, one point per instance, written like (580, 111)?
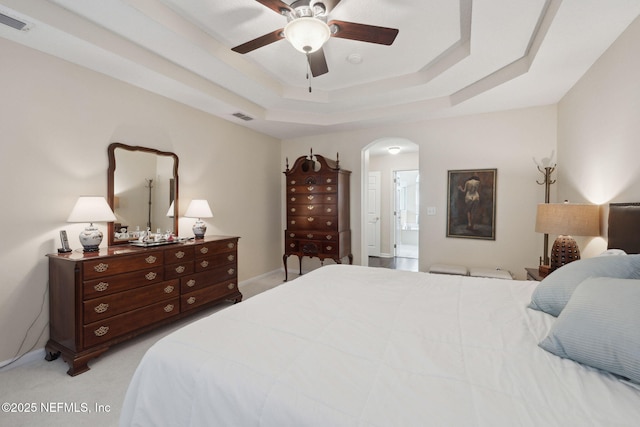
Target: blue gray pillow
(600, 327)
(553, 293)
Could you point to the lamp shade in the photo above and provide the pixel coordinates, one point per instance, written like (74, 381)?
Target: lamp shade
(172, 209)
(307, 34)
(198, 208)
(91, 209)
(568, 219)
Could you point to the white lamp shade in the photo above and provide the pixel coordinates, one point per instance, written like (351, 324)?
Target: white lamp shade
(172, 208)
(307, 34)
(91, 209)
(198, 208)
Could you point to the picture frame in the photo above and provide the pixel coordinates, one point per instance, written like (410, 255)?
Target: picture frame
(471, 203)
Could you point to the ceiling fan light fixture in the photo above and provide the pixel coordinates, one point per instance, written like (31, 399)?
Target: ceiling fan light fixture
(307, 34)
(393, 150)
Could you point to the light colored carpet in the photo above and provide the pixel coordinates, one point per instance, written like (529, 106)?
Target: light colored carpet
(93, 398)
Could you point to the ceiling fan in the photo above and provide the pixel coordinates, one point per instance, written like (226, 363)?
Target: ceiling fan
(307, 30)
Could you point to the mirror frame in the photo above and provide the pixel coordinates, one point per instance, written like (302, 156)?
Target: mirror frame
(110, 183)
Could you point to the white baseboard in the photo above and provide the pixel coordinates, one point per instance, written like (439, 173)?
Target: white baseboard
(32, 356)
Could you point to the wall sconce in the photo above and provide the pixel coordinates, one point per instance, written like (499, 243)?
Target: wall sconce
(566, 219)
(91, 209)
(199, 209)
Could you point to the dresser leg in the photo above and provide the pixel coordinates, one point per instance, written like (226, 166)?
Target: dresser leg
(284, 261)
(350, 259)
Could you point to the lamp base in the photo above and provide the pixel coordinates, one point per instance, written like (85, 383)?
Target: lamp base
(564, 250)
(90, 239)
(199, 229)
(544, 270)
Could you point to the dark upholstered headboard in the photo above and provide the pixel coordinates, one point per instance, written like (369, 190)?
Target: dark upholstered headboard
(624, 227)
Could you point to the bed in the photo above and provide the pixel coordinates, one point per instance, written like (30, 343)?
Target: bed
(358, 346)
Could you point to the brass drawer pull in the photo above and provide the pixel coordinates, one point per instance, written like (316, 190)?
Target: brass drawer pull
(329, 210)
(204, 250)
(310, 207)
(329, 180)
(231, 257)
(293, 190)
(293, 209)
(191, 283)
(180, 269)
(150, 259)
(293, 199)
(101, 268)
(311, 197)
(309, 236)
(293, 222)
(231, 286)
(293, 245)
(292, 235)
(329, 248)
(329, 188)
(204, 263)
(191, 300)
(101, 287)
(231, 245)
(101, 308)
(329, 237)
(180, 254)
(293, 182)
(168, 308)
(101, 331)
(150, 275)
(231, 271)
(329, 223)
(168, 289)
(310, 219)
(310, 188)
(329, 199)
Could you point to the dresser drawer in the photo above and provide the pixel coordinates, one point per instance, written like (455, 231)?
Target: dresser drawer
(311, 189)
(311, 222)
(205, 295)
(311, 235)
(214, 261)
(120, 282)
(212, 248)
(205, 278)
(311, 199)
(111, 305)
(177, 270)
(116, 265)
(112, 327)
(179, 254)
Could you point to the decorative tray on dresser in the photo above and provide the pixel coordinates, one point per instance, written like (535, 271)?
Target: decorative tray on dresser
(97, 299)
(317, 210)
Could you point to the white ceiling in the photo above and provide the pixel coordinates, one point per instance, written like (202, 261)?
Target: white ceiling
(450, 57)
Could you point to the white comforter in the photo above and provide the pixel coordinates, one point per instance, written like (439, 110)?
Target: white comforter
(357, 346)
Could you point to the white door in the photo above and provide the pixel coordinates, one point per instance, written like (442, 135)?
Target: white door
(373, 214)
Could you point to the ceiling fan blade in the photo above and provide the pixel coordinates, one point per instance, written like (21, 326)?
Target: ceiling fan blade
(276, 5)
(363, 33)
(259, 42)
(317, 63)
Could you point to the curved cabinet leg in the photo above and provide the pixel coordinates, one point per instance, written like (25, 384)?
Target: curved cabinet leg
(284, 261)
(350, 259)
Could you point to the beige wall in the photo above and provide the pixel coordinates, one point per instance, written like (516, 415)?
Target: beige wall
(599, 133)
(507, 141)
(56, 121)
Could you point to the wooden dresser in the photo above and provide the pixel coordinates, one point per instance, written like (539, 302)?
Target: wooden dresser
(98, 299)
(317, 210)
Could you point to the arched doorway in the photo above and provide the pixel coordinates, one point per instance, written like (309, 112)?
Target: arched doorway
(390, 204)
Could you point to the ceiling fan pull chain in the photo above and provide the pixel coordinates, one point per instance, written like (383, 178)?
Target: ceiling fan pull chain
(308, 71)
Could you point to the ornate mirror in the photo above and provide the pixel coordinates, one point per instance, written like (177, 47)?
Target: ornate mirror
(142, 191)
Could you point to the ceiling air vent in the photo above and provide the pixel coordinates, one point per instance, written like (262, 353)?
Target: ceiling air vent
(242, 117)
(13, 22)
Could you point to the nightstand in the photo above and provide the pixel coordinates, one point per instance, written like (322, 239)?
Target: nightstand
(532, 274)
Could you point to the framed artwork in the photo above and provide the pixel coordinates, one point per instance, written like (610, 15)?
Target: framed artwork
(471, 204)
